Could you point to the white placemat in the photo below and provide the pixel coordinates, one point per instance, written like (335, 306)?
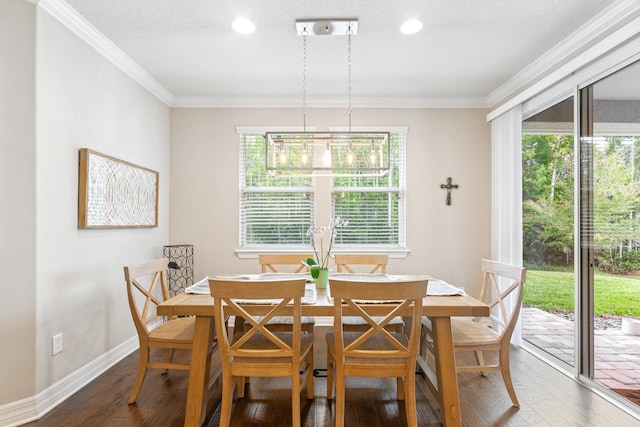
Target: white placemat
(202, 287)
(437, 287)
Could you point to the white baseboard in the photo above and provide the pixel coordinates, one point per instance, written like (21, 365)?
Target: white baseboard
(33, 408)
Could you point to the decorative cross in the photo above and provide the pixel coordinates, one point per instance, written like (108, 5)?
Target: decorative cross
(449, 187)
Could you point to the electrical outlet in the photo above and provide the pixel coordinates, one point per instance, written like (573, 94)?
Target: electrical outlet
(56, 344)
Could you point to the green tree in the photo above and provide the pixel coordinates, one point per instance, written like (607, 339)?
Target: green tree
(615, 200)
(547, 173)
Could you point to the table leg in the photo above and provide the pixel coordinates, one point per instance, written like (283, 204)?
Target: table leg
(196, 409)
(446, 371)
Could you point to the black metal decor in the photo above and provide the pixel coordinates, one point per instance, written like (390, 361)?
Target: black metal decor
(180, 272)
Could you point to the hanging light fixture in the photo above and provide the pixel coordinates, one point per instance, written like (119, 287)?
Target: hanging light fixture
(337, 153)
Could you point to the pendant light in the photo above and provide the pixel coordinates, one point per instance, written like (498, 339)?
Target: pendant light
(332, 153)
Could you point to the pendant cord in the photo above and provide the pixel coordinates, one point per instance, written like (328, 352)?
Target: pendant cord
(349, 33)
(304, 79)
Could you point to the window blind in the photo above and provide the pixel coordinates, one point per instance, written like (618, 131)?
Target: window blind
(273, 210)
(374, 206)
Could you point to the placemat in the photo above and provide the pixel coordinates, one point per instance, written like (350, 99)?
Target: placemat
(202, 287)
(435, 287)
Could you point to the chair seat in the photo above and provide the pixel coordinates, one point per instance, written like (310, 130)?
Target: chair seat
(176, 330)
(376, 342)
(468, 332)
(288, 320)
(357, 320)
(285, 323)
(260, 342)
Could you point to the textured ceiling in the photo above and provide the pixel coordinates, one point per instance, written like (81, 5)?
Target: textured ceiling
(466, 50)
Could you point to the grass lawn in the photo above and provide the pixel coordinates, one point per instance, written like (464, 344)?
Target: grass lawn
(553, 291)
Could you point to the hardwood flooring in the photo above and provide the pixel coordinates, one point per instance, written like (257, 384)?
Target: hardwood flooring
(548, 398)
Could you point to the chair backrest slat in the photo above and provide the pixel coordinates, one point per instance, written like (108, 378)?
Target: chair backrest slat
(143, 280)
(271, 262)
(378, 263)
(388, 299)
(502, 290)
(285, 295)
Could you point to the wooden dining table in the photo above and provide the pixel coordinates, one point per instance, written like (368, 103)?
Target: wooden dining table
(442, 380)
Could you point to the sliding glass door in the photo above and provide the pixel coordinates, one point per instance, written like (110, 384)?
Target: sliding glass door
(581, 304)
(610, 232)
(548, 238)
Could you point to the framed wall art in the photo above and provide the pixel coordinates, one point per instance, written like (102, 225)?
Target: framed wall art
(113, 193)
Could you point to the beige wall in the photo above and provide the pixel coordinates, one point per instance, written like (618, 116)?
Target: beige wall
(58, 95)
(83, 100)
(444, 241)
(17, 195)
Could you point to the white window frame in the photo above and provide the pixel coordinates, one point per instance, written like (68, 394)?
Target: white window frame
(322, 192)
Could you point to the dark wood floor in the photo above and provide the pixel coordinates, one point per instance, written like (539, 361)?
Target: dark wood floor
(547, 398)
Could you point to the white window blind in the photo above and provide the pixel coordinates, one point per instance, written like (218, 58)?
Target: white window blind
(374, 206)
(273, 210)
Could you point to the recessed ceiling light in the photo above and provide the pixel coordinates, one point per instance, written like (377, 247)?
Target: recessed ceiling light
(411, 26)
(243, 26)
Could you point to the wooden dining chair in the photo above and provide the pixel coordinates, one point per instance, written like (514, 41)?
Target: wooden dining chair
(502, 289)
(345, 262)
(146, 288)
(373, 264)
(274, 263)
(260, 351)
(376, 352)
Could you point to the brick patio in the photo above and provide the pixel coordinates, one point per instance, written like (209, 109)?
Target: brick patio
(617, 354)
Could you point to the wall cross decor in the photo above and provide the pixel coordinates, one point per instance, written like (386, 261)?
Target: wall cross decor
(449, 186)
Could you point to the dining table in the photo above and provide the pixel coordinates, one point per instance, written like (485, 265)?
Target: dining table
(440, 375)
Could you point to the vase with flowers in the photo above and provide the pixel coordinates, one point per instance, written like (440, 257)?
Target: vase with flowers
(319, 267)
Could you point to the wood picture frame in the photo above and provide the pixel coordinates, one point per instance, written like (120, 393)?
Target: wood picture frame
(113, 193)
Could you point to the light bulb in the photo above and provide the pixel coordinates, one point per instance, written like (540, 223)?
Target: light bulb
(283, 154)
(372, 155)
(327, 156)
(305, 158)
(350, 154)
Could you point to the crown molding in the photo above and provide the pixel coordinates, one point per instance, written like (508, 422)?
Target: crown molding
(597, 28)
(326, 102)
(580, 65)
(71, 19)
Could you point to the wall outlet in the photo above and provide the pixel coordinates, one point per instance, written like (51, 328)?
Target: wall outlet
(56, 344)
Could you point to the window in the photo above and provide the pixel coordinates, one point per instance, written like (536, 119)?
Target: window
(276, 211)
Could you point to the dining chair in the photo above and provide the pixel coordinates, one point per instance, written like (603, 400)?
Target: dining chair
(376, 352)
(146, 288)
(374, 264)
(502, 289)
(345, 262)
(260, 351)
(273, 263)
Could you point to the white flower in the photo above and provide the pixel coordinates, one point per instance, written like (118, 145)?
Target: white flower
(316, 233)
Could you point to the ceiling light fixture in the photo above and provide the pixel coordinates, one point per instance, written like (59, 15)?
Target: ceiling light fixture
(243, 26)
(411, 26)
(338, 153)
